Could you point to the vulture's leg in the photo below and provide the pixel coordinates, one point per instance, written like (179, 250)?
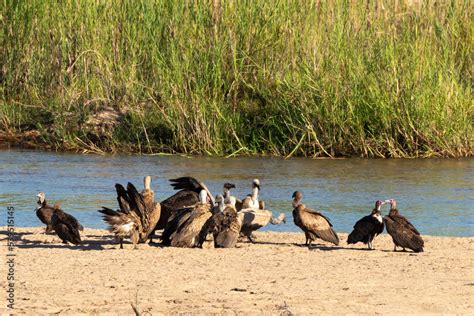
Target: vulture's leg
(250, 237)
(394, 247)
(121, 243)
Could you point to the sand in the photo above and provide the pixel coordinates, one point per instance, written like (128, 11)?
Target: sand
(276, 275)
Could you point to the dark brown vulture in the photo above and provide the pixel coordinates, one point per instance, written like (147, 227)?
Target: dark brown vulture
(313, 223)
(66, 226)
(184, 227)
(188, 196)
(224, 226)
(368, 227)
(403, 233)
(44, 212)
(137, 216)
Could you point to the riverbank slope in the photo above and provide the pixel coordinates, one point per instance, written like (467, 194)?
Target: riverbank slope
(313, 79)
(275, 275)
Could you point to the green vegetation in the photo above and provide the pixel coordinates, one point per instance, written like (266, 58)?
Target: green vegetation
(286, 78)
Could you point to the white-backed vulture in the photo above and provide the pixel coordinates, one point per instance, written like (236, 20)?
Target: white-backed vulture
(220, 205)
(183, 228)
(227, 195)
(188, 196)
(224, 226)
(137, 216)
(251, 201)
(254, 219)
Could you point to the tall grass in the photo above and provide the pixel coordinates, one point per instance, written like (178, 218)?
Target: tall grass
(287, 78)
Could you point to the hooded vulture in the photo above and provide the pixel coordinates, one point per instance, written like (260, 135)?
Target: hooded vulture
(368, 227)
(44, 211)
(313, 223)
(66, 226)
(403, 233)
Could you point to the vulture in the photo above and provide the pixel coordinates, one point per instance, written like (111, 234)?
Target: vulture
(224, 226)
(403, 233)
(66, 226)
(313, 223)
(44, 211)
(137, 216)
(256, 218)
(220, 205)
(251, 201)
(368, 227)
(227, 195)
(185, 226)
(188, 196)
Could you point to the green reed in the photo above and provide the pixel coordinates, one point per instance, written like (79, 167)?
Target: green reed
(286, 78)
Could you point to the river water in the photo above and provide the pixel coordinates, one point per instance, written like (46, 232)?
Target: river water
(436, 195)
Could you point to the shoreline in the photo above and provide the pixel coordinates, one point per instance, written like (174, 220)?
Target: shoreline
(275, 275)
(44, 147)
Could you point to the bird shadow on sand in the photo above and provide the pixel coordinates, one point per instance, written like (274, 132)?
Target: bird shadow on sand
(85, 245)
(156, 245)
(16, 234)
(266, 243)
(331, 248)
(400, 251)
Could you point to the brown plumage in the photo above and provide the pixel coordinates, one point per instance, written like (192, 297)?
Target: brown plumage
(137, 216)
(224, 226)
(66, 226)
(183, 229)
(313, 223)
(253, 219)
(187, 196)
(247, 203)
(403, 233)
(44, 212)
(155, 208)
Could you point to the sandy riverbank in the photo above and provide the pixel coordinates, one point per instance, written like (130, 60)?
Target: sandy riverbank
(273, 276)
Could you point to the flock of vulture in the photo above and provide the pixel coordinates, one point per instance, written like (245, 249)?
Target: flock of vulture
(193, 216)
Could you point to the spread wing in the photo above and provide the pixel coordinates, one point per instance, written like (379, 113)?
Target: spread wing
(186, 183)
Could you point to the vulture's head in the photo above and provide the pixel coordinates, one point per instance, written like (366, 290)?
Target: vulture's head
(147, 182)
(229, 186)
(379, 204)
(41, 197)
(256, 184)
(297, 197)
(393, 203)
(203, 197)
